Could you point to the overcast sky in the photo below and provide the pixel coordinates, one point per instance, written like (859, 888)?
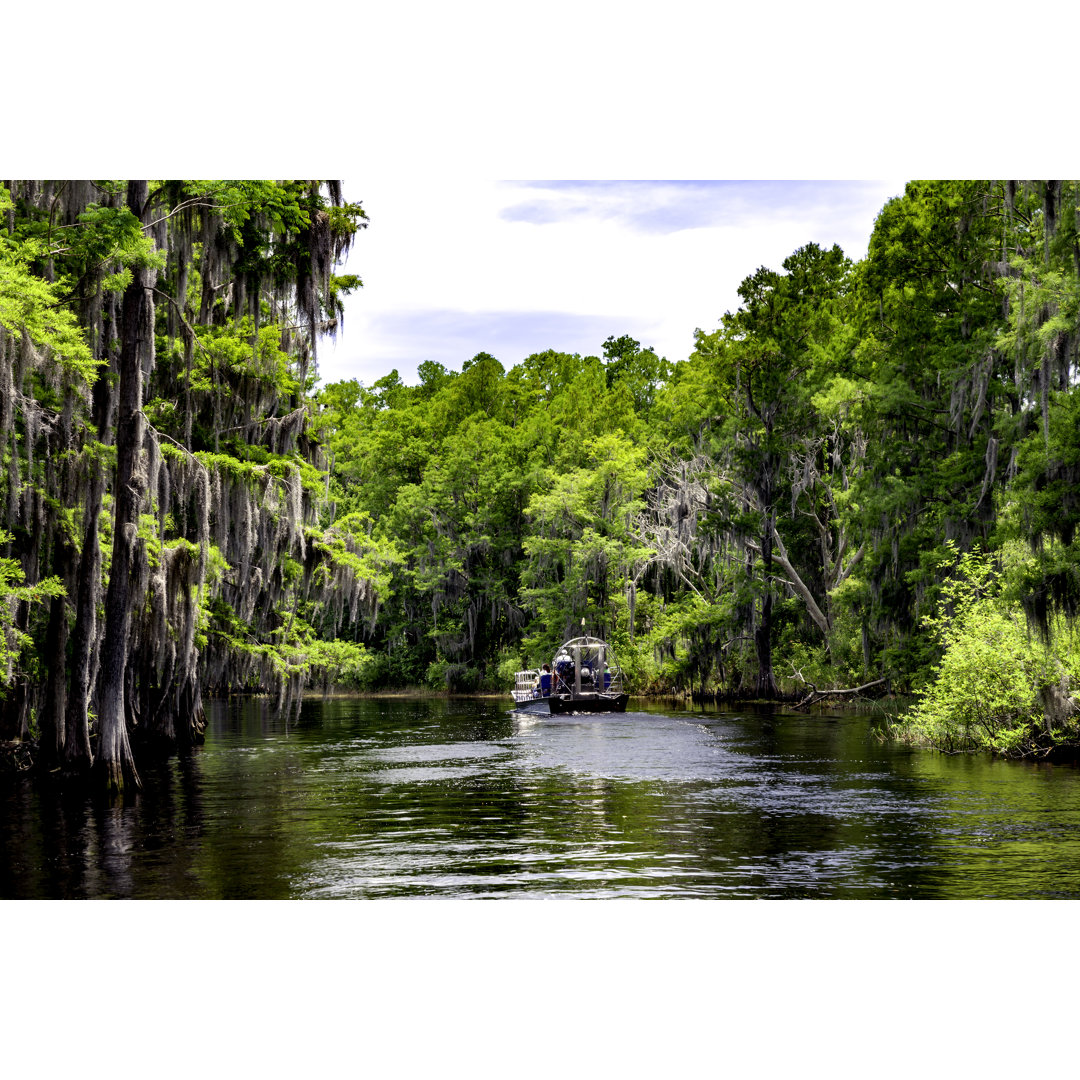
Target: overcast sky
(460, 266)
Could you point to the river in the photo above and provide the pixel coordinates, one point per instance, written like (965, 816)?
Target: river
(464, 798)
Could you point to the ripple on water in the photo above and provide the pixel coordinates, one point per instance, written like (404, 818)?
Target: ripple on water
(380, 799)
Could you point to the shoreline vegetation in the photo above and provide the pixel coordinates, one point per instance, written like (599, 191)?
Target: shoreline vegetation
(865, 479)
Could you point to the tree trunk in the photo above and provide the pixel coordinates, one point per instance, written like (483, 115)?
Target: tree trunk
(77, 755)
(115, 758)
(766, 684)
(54, 712)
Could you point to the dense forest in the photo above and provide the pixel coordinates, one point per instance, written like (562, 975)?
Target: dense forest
(869, 473)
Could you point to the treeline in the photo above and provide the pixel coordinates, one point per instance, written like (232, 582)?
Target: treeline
(868, 471)
(789, 509)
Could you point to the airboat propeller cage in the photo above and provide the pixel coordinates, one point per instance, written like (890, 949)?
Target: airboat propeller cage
(589, 657)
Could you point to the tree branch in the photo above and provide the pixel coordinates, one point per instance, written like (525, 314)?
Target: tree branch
(818, 695)
(800, 588)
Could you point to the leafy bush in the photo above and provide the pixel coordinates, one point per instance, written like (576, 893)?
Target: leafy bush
(437, 676)
(994, 685)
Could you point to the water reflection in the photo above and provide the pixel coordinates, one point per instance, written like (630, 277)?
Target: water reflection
(367, 799)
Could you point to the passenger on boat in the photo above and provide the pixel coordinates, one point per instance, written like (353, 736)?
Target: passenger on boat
(545, 681)
(564, 675)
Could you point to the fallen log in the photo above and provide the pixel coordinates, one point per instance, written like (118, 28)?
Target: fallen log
(817, 695)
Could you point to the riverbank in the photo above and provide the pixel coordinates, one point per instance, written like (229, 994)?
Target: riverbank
(823, 699)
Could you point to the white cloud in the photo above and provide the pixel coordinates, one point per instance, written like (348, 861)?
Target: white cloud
(458, 265)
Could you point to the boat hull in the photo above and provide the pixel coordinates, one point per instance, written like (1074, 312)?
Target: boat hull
(587, 703)
(532, 705)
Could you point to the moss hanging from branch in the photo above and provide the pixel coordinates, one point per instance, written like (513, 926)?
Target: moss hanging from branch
(188, 423)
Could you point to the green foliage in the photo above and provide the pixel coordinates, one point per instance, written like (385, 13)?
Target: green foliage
(639, 370)
(236, 353)
(31, 305)
(508, 665)
(804, 470)
(583, 548)
(990, 689)
(15, 591)
(339, 663)
(1046, 497)
(349, 543)
(110, 235)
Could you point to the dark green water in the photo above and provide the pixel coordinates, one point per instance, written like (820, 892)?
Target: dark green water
(392, 798)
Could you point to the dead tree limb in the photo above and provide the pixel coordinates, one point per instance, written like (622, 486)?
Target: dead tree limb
(816, 695)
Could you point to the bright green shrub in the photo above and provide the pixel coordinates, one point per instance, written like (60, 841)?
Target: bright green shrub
(990, 688)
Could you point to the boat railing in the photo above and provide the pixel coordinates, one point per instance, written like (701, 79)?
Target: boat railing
(531, 685)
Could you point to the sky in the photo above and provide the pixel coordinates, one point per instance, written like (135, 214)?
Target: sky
(464, 265)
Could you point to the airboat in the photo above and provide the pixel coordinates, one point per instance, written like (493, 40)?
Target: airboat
(584, 676)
